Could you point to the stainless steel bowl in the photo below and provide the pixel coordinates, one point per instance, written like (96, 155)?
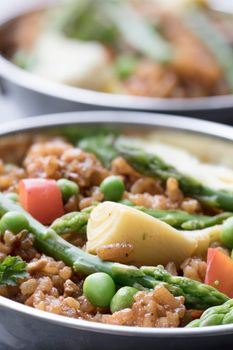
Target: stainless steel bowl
(22, 327)
(35, 95)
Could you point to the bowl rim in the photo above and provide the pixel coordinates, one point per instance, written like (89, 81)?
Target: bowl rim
(169, 122)
(30, 81)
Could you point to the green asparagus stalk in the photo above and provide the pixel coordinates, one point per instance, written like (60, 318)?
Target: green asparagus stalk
(102, 146)
(137, 33)
(182, 220)
(76, 222)
(153, 166)
(214, 316)
(215, 41)
(107, 148)
(197, 295)
(113, 22)
(71, 222)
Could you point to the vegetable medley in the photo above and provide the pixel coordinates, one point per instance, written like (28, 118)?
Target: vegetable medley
(152, 48)
(103, 226)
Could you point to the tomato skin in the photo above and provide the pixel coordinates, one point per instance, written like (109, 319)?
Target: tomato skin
(42, 199)
(219, 273)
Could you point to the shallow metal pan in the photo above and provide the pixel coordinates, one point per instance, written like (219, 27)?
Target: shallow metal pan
(22, 327)
(35, 95)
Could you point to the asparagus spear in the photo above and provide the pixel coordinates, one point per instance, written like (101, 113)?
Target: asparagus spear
(197, 295)
(217, 43)
(71, 222)
(204, 294)
(113, 22)
(107, 148)
(137, 32)
(151, 165)
(214, 316)
(181, 219)
(77, 221)
(102, 146)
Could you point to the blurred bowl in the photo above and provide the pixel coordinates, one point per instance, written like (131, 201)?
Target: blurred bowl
(35, 95)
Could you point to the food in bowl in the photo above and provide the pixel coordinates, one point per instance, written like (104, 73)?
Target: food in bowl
(115, 227)
(152, 48)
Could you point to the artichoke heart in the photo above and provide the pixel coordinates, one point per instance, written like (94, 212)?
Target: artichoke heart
(154, 242)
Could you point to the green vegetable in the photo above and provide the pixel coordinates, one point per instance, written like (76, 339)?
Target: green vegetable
(68, 188)
(113, 22)
(14, 222)
(197, 295)
(125, 65)
(12, 268)
(214, 39)
(107, 148)
(86, 20)
(71, 222)
(182, 220)
(137, 32)
(226, 235)
(216, 315)
(76, 222)
(151, 165)
(13, 196)
(102, 146)
(99, 288)
(113, 188)
(123, 299)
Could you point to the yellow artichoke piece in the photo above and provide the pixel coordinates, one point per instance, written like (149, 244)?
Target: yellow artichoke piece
(154, 242)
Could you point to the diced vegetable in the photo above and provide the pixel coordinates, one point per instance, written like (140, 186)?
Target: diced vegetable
(219, 272)
(42, 199)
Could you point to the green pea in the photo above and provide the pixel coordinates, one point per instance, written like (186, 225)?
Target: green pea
(14, 222)
(113, 188)
(226, 235)
(68, 188)
(12, 196)
(99, 289)
(123, 299)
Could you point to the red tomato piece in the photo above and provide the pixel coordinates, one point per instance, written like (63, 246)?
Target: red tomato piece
(219, 273)
(42, 199)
